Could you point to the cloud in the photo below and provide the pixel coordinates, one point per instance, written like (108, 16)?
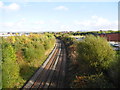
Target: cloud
(14, 26)
(64, 28)
(39, 22)
(22, 25)
(54, 22)
(13, 6)
(10, 7)
(61, 8)
(1, 4)
(96, 23)
(8, 24)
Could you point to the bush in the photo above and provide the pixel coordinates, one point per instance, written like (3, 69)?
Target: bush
(33, 52)
(96, 52)
(94, 58)
(22, 55)
(9, 67)
(47, 44)
(91, 81)
(114, 71)
(11, 39)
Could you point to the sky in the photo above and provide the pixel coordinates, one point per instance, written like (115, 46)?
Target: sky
(57, 16)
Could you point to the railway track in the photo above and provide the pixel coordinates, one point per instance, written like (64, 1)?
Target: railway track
(52, 72)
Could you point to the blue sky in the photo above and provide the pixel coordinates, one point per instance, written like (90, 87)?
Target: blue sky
(58, 16)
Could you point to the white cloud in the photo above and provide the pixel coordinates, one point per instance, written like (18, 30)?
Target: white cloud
(92, 24)
(100, 20)
(53, 21)
(22, 25)
(1, 4)
(65, 27)
(14, 26)
(8, 24)
(13, 6)
(39, 22)
(96, 23)
(61, 8)
(10, 7)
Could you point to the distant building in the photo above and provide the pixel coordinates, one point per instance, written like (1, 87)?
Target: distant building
(111, 36)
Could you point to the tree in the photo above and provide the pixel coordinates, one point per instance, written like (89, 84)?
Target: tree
(11, 39)
(9, 67)
(96, 52)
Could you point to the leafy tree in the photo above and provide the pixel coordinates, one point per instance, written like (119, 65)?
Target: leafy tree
(96, 51)
(33, 51)
(9, 67)
(28, 51)
(11, 39)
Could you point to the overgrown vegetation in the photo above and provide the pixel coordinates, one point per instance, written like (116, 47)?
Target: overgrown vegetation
(22, 55)
(96, 52)
(91, 63)
(10, 68)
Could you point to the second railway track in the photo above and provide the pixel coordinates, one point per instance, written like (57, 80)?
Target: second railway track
(51, 74)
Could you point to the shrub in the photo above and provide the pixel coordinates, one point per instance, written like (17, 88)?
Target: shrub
(114, 71)
(32, 52)
(91, 81)
(11, 39)
(47, 44)
(96, 51)
(9, 67)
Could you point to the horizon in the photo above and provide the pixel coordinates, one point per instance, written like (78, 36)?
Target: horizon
(62, 31)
